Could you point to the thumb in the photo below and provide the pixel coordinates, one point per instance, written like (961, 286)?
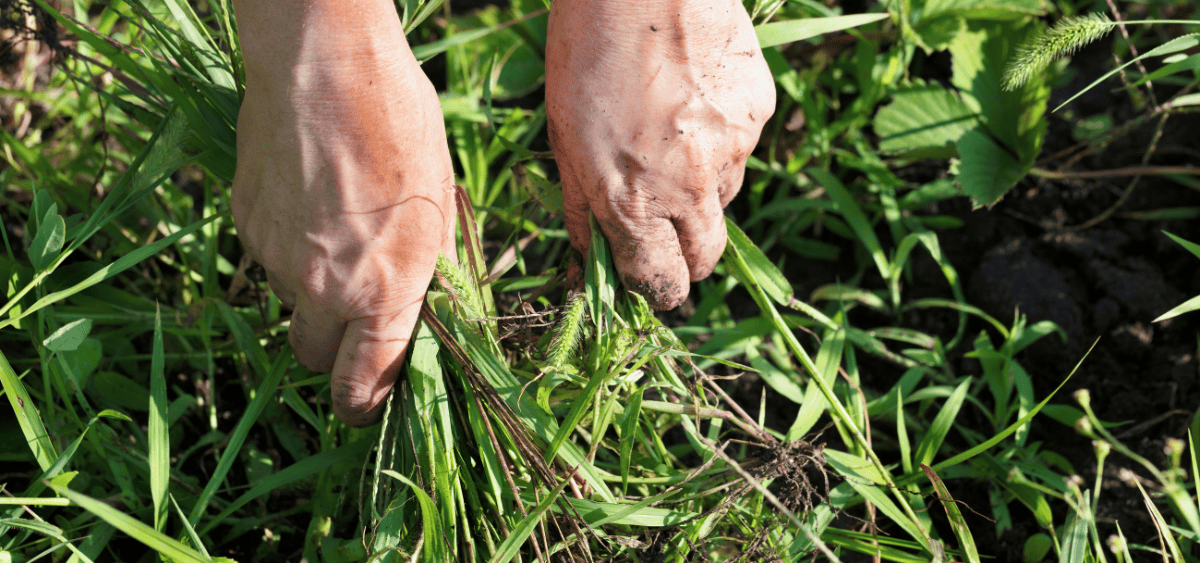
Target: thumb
(368, 360)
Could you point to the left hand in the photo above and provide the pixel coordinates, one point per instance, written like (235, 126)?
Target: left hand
(653, 107)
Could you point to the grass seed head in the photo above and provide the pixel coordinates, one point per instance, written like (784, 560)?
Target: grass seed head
(1062, 40)
(455, 281)
(568, 332)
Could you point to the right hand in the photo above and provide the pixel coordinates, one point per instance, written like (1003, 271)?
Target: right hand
(344, 186)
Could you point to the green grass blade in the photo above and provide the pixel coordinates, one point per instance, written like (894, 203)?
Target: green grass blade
(1176, 45)
(778, 33)
(120, 265)
(629, 430)
(961, 529)
(1185, 307)
(187, 527)
(159, 455)
(511, 545)
(763, 273)
(1006, 432)
(247, 340)
(434, 550)
(1165, 535)
(906, 462)
(27, 416)
(293, 474)
(829, 357)
(265, 393)
(869, 483)
(1186, 244)
(69, 336)
(159, 542)
(850, 210)
(932, 442)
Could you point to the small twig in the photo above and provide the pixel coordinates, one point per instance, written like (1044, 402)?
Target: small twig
(1104, 215)
(1141, 427)
(1113, 173)
(1112, 6)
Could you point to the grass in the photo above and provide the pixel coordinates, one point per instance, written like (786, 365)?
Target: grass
(157, 411)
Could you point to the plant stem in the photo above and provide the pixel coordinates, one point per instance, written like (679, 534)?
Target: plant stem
(1113, 173)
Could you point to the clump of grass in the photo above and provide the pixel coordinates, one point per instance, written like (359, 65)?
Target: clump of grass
(1063, 40)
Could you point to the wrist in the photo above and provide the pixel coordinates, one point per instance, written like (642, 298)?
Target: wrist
(283, 41)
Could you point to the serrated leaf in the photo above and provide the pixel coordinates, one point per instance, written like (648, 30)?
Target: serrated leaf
(1016, 118)
(925, 117)
(69, 336)
(936, 33)
(987, 171)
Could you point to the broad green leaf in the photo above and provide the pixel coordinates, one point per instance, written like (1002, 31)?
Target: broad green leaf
(159, 542)
(51, 235)
(69, 336)
(924, 121)
(778, 33)
(936, 33)
(1037, 547)
(987, 171)
(120, 390)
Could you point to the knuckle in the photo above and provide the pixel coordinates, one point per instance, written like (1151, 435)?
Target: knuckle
(662, 291)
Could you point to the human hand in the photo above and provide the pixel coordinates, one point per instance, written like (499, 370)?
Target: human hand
(652, 109)
(344, 186)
